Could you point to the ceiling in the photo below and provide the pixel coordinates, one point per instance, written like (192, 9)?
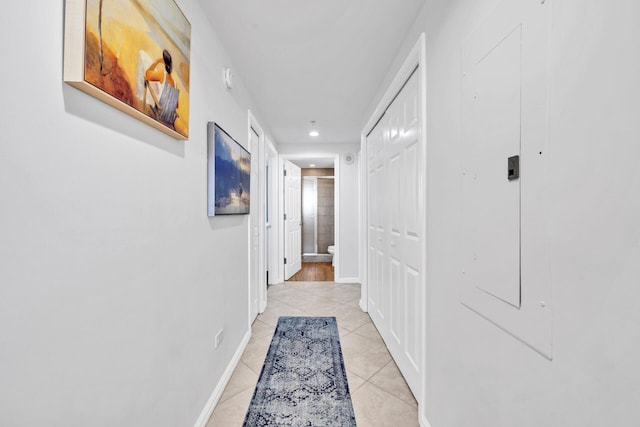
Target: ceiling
(305, 60)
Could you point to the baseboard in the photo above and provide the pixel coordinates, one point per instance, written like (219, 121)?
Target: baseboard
(226, 376)
(347, 280)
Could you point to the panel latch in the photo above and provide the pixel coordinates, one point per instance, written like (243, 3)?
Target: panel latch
(513, 168)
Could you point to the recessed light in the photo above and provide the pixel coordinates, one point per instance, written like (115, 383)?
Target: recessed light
(313, 129)
(312, 166)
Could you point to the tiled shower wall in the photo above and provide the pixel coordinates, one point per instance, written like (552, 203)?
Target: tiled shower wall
(325, 214)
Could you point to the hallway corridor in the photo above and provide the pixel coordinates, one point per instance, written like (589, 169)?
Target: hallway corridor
(379, 393)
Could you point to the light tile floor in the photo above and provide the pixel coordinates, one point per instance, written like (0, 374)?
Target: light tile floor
(379, 393)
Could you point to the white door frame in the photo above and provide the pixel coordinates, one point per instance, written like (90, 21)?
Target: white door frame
(272, 228)
(259, 199)
(416, 58)
(336, 229)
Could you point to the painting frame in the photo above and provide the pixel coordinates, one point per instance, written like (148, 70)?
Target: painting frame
(80, 52)
(228, 174)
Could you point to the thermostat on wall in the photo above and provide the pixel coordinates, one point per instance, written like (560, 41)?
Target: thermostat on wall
(349, 158)
(227, 77)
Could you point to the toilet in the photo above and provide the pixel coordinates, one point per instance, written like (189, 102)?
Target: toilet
(332, 250)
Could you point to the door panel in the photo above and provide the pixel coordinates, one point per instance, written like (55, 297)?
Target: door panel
(410, 186)
(395, 236)
(491, 202)
(382, 285)
(412, 337)
(394, 193)
(293, 220)
(374, 226)
(395, 324)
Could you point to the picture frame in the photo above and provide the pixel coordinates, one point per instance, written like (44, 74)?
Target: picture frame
(133, 55)
(228, 174)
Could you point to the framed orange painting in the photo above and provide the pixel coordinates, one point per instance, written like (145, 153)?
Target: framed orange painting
(134, 55)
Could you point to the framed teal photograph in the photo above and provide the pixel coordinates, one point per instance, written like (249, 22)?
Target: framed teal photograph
(229, 174)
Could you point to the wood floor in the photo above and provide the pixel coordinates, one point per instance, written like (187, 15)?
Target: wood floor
(314, 272)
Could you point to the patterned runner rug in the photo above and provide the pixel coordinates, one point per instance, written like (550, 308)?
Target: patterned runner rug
(303, 382)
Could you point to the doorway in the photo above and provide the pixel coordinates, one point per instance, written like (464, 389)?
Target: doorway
(315, 200)
(318, 216)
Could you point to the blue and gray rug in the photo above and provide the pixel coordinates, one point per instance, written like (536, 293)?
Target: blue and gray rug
(303, 382)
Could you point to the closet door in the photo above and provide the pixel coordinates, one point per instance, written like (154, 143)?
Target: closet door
(395, 235)
(376, 227)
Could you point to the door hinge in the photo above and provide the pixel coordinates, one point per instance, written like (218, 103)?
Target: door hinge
(285, 261)
(285, 217)
(285, 172)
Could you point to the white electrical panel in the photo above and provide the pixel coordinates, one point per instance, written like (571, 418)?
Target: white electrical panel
(504, 175)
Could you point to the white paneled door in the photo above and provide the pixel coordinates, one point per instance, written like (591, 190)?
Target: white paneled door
(292, 219)
(395, 235)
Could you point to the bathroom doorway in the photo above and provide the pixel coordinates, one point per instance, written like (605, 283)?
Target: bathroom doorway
(317, 198)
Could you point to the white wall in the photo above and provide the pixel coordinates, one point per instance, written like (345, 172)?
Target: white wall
(478, 375)
(348, 263)
(113, 281)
